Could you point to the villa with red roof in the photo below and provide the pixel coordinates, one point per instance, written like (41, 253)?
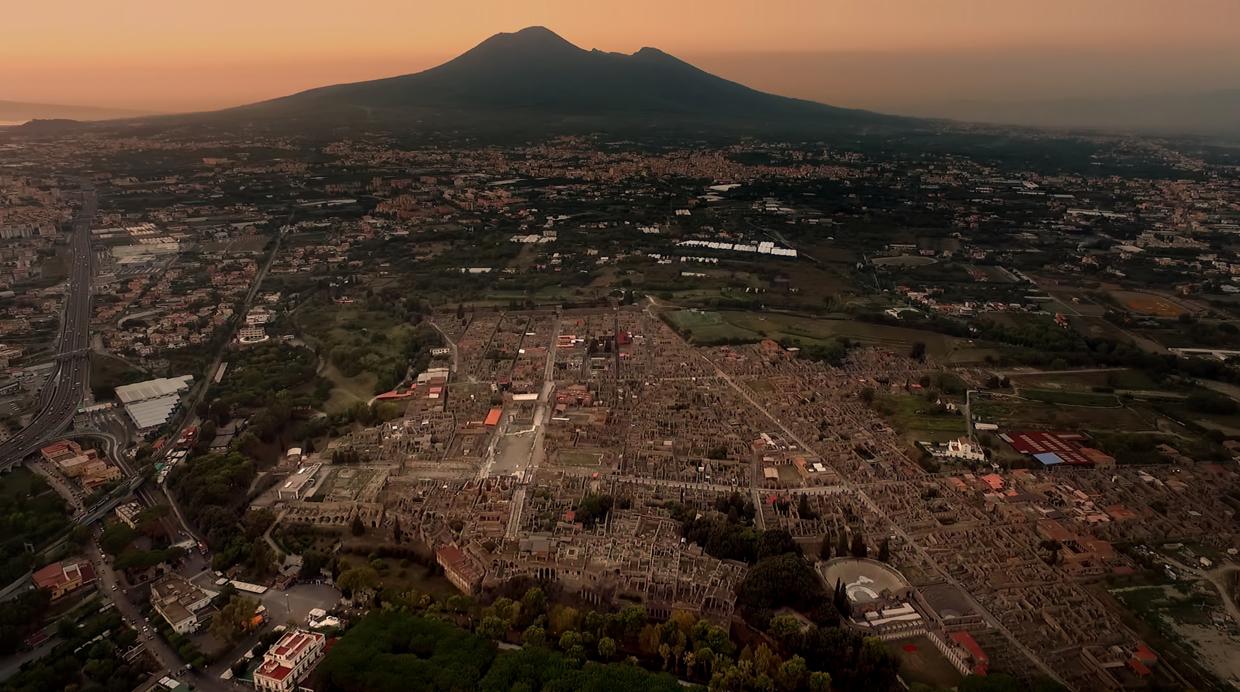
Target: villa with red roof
(289, 660)
(61, 578)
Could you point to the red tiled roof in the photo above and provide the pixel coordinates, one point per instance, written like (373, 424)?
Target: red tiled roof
(1138, 667)
(272, 669)
(1145, 654)
(493, 416)
(291, 644)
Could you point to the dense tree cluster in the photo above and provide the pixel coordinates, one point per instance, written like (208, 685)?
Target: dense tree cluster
(20, 617)
(30, 513)
(594, 509)
(258, 373)
(213, 492)
(89, 658)
(361, 338)
(787, 580)
(397, 651)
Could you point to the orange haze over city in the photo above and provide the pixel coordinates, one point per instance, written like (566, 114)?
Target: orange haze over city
(896, 55)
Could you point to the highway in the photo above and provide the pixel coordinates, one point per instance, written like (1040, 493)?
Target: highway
(61, 394)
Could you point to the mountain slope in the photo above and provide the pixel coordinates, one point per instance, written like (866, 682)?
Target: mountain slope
(534, 78)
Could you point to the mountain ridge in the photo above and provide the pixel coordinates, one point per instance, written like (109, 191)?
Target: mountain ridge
(535, 79)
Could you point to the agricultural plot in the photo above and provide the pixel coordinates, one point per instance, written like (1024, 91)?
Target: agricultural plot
(919, 420)
(710, 327)
(1150, 304)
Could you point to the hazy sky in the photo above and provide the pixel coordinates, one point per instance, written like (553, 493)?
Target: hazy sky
(888, 54)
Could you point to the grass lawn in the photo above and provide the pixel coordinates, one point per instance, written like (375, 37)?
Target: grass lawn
(917, 419)
(578, 457)
(406, 575)
(373, 339)
(108, 372)
(921, 661)
(1070, 398)
(347, 391)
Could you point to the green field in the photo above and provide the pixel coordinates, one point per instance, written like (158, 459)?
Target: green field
(347, 391)
(921, 662)
(368, 348)
(1071, 398)
(1018, 414)
(108, 372)
(578, 457)
(917, 419)
(732, 326)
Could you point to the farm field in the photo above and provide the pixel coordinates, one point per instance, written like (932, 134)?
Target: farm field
(1010, 413)
(707, 327)
(917, 419)
(1150, 304)
(1117, 378)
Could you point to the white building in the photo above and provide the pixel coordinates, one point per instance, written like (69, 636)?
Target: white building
(178, 602)
(289, 660)
(962, 448)
(150, 404)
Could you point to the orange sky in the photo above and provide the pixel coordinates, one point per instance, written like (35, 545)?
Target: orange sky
(193, 54)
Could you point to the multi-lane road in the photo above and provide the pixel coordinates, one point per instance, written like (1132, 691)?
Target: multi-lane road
(62, 392)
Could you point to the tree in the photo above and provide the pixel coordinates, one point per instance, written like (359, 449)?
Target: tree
(859, 548)
(841, 544)
(824, 550)
(787, 631)
(533, 605)
(358, 579)
(884, 550)
(819, 681)
(397, 535)
(534, 636)
(492, 627)
(357, 528)
(562, 618)
(804, 510)
(569, 639)
(233, 620)
(918, 352)
(793, 674)
(593, 509)
(115, 538)
(776, 542)
(606, 648)
(784, 580)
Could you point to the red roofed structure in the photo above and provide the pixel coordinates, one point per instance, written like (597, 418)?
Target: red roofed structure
(1051, 448)
(288, 661)
(493, 417)
(60, 578)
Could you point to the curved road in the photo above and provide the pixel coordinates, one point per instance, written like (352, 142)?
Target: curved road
(63, 390)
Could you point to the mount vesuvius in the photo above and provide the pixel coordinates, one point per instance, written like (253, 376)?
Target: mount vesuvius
(534, 81)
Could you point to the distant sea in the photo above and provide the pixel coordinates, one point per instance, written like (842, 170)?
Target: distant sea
(9, 123)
